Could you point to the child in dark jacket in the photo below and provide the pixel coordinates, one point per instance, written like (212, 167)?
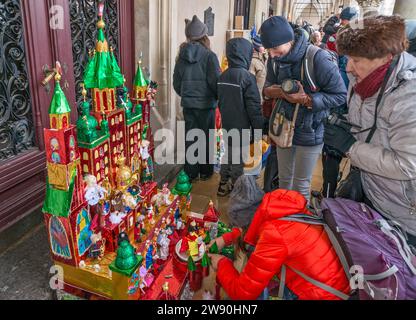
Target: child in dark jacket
(240, 106)
(195, 81)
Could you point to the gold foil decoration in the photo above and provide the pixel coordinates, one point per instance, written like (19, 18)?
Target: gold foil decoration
(102, 46)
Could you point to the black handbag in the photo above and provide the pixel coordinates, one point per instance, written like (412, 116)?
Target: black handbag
(352, 187)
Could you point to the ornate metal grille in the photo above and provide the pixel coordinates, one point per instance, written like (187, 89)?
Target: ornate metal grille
(84, 31)
(16, 120)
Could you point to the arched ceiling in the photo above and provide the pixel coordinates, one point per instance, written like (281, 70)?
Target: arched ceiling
(321, 8)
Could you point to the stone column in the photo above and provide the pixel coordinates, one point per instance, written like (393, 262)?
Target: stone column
(286, 8)
(290, 13)
(405, 8)
(279, 7)
(369, 5)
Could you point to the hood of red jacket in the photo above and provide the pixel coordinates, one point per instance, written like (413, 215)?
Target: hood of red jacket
(276, 205)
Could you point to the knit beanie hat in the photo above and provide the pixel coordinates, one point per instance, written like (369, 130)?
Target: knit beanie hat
(195, 29)
(348, 13)
(257, 42)
(276, 31)
(245, 199)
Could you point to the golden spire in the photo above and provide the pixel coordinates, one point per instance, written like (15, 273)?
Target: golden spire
(84, 92)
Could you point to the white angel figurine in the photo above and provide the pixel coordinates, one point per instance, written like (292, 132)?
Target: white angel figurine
(93, 192)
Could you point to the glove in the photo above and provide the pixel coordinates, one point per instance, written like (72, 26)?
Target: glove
(338, 138)
(301, 97)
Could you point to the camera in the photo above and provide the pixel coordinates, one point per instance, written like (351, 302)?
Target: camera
(290, 86)
(338, 120)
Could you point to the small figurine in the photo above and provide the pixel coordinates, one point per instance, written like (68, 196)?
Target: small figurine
(193, 227)
(149, 255)
(151, 93)
(157, 211)
(164, 243)
(139, 229)
(179, 224)
(137, 232)
(188, 202)
(106, 208)
(147, 162)
(117, 201)
(213, 232)
(129, 201)
(136, 191)
(163, 223)
(97, 249)
(201, 247)
(93, 192)
(177, 214)
(150, 214)
(117, 217)
(142, 275)
(163, 197)
(168, 221)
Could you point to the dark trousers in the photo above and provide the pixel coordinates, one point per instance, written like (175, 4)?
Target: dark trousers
(205, 121)
(271, 172)
(331, 165)
(230, 170)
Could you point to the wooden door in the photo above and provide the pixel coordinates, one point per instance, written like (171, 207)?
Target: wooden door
(32, 39)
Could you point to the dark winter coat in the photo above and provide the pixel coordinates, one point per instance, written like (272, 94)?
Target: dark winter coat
(331, 27)
(309, 130)
(195, 77)
(238, 94)
(411, 34)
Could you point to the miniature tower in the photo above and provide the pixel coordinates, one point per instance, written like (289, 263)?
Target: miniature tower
(60, 142)
(140, 91)
(133, 131)
(102, 76)
(94, 143)
(65, 209)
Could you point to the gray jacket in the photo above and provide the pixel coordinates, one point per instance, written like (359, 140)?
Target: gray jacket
(389, 161)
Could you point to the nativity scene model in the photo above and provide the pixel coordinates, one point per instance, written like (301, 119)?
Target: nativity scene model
(111, 230)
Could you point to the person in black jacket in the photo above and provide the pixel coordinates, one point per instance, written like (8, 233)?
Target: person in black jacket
(336, 22)
(240, 106)
(195, 81)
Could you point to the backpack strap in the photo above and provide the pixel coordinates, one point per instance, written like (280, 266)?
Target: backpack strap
(372, 291)
(401, 243)
(319, 284)
(318, 221)
(309, 66)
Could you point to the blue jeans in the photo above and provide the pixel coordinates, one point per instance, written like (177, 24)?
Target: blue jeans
(296, 167)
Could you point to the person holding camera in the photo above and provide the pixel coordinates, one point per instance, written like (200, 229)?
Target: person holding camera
(379, 138)
(287, 51)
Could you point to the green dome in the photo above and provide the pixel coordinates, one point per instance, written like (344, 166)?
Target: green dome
(140, 79)
(183, 186)
(126, 257)
(59, 104)
(87, 125)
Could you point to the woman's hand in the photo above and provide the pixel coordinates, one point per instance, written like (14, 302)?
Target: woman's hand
(215, 259)
(299, 97)
(220, 244)
(274, 92)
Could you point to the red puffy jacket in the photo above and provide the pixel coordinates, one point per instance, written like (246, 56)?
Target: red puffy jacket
(303, 247)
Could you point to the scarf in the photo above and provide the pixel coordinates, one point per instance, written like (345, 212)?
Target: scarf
(369, 86)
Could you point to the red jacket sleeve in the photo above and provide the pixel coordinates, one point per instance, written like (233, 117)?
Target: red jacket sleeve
(264, 263)
(231, 237)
